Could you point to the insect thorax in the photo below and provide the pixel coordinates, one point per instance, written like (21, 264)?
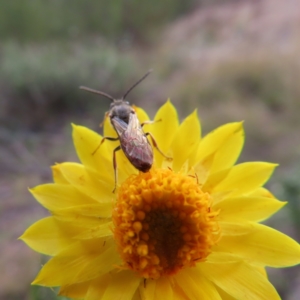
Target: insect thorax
(121, 109)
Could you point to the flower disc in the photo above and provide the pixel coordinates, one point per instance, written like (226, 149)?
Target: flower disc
(163, 223)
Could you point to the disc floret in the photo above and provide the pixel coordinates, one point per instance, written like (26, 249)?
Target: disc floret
(163, 223)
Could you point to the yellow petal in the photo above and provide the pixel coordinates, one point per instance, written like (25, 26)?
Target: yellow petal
(262, 192)
(224, 138)
(86, 142)
(94, 220)
(164, 289)
(99, 211)
(192, 161)
(87, 182)
(58, 177)
(78, 263)
(97, 231)
(141, 114)
(98, 287)
(263, 245)
(74, 291)
(178, 294)
(228, 153)
(123, 286)
(263, 271)
(163, 130)
(147, 289)
(106, 259)
(58, 196)
(200, 171)
(245, 177)
(235, 227)
(86, 226)
(238, 278)
(108, 130)
(185, 140)
(195, 285)
(224, 295)
(215, 179)
(248, 208)
(136, 296)
(48, 236)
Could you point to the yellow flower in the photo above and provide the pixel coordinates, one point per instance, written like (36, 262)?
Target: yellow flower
(187, 229)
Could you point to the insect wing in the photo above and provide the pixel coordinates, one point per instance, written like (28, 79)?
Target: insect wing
(119, 125)
(136, 146)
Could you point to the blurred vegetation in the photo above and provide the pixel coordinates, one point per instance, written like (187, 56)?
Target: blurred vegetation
(290, 190)
(39, 293)
(270, 82)
(50, 48)
(261, 89)
(41, 82)
(116, 20)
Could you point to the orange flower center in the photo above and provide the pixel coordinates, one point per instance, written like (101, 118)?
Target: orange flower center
(163, 222)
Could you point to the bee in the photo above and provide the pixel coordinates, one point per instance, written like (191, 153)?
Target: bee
(133, 140)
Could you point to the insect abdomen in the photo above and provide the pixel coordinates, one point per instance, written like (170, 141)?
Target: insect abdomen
(138, 151)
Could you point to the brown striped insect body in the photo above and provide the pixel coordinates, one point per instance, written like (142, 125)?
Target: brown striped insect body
(133, 140)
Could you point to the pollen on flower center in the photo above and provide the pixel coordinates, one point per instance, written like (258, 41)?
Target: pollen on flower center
(163, 222)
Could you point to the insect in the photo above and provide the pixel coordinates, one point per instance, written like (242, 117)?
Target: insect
(133, 140)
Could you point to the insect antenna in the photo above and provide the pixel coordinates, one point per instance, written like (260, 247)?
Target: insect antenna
(96, 92)
(139, 81)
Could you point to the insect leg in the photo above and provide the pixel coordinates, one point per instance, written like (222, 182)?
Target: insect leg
(102, 141)
(115, 166)
(195, 176)
(155, 146)
(102, 123)
(150, 122)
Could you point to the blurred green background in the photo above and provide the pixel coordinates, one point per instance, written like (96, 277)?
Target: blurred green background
(232, 59)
